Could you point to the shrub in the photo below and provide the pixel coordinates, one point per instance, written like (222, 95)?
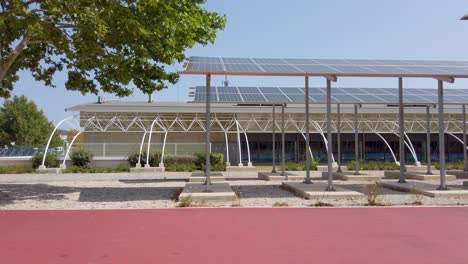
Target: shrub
(301, 166)
(372, 165)
(216, 161)
(185, 201)
(81, 157)
(180, 163)
(372, 191)
(280, 204)
(50, 161)
(76, 169)
(154, 158)
(16, 170)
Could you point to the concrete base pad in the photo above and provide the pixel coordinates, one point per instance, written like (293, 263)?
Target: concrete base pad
(325, 167)
(349, 176)
(424, 188)
(48, 170)
(276, 176)
(218, 192)
(458, 173)
(244, 172)
(418, 176)
(147, 169)
(419, 170)
(317, 190)
(200, 177)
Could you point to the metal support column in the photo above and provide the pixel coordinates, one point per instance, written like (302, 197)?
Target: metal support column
(329, 138)
(273, 169)
(401, 135)
(441, 136)
(283, 146)
(465, 153)
(356, 140)
(338, 139)
(428, 140)
(208, 131)
(307, 168)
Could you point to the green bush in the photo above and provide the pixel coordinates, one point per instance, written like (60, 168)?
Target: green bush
(77, 169)
(458, 165)
(154, 158)
(180, 163)
(372, 165)
(50, 161)
(301, 166)
(16, 170)
(216, 161)
(81, 157)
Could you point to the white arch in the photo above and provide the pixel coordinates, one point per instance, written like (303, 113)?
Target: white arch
(147, 165)
(317, 126)
(249, 163)
(226, 139)
(458, 139)
(310, 150)
(411, 149)
(69, 148)
(141, 149)
(50, 139)
(166, 131)
(388, 146)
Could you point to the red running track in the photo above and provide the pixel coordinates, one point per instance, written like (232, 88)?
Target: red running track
(350, 235)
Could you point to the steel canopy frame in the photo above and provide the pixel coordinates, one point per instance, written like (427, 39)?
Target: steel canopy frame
(332, 75)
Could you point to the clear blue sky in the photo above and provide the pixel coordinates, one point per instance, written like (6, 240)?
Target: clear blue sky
(358, 29)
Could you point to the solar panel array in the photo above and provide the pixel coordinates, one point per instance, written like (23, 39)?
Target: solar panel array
(324, 67)
(264, 95)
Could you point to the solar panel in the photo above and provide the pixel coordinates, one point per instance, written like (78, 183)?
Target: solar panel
(324, 67)
(318, 95)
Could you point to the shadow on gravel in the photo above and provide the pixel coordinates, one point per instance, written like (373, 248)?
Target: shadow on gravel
(152, 180)
(261, 191)
(10, 193)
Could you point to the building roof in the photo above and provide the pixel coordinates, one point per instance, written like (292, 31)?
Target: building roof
(188, 107)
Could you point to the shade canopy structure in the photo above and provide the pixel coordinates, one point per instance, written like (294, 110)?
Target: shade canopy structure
(325, 67)
(331, 70)
(295, 95)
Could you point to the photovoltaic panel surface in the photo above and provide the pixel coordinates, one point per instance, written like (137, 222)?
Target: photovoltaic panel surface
(325, 67)
(342, 95)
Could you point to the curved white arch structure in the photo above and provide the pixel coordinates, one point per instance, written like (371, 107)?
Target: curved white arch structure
(249, 163)
(388, 146)
(42, 166)
(411, 149)
(228, 163)
(63, 165)
(147, 165)
(166, 131)
(458, 139)
(310, 150)
(138, 165)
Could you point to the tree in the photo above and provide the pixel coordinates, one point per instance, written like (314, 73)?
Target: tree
(72, 133)
(21, 122)
(107, 45)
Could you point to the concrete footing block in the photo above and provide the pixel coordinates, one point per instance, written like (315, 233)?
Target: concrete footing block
(146, 169)
(276, 176)
(216, 192)
(48, 170)
(418, 176)
(349, 176)
(460, 174)
(200, 177)
(427, 189)
(241, 172)
(317, 190)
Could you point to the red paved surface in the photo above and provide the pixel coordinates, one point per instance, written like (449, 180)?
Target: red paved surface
(393, 235)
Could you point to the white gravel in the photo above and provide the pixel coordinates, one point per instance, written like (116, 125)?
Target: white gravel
(124, 191)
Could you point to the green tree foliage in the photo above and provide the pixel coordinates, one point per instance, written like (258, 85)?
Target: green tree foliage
(107, 45)
(23, 123)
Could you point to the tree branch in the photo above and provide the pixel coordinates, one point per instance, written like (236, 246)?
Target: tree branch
(4, 67)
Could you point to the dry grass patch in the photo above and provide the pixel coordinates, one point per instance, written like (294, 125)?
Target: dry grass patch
(280, 204)
(322, 204)
(185, 201)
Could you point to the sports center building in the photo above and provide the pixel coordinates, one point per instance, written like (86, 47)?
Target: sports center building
(242, 124)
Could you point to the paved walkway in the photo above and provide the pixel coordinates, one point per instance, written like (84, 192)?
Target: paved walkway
(360, 235)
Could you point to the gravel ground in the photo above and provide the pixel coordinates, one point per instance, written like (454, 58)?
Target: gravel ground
(124, 191)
